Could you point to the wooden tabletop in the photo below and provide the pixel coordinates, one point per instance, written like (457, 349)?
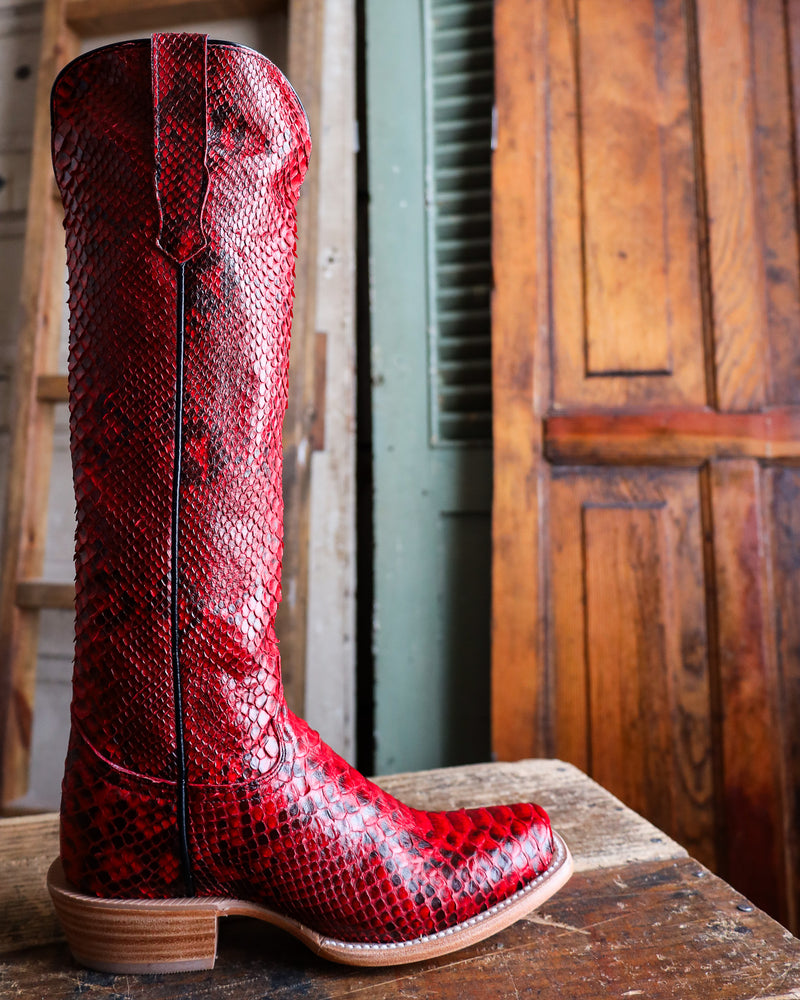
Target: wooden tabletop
(639, 918)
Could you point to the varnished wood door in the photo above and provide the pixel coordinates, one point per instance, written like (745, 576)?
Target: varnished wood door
(646, 359)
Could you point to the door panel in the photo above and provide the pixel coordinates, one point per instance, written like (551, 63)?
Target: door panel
(627, 317)
(750, 745)
(630, 651)
(646, 379)
(752, 222)
(782, 506)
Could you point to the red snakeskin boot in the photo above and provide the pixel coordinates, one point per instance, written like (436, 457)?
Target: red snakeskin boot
(191, 791)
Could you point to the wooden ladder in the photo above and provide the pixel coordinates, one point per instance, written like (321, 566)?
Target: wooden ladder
(37, 387)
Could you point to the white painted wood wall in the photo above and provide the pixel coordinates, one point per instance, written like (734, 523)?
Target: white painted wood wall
(331, 638)
(330, 687)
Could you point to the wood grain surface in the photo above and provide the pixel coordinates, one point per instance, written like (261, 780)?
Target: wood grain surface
(774, 76)
(672, 437)
(644, 625)
(626, 295)
(657, 929)
(28, 845)
(782, 499)
(519, 367)
(750, 710)
(30, 455)
(639, 918)
(632, 689)
(100, 17)
(737, 254)
(304, 68)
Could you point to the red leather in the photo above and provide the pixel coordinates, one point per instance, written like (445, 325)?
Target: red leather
(179, 70)
(203, 167)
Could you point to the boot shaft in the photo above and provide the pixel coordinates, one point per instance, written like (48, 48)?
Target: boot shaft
(179, 164)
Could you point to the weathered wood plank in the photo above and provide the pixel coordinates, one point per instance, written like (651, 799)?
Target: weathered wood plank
(634, 209)
(753, 850)
(772, 87)
(519, 362)
(306, 26)
(52, 389)
(654, 929)
(709, 85)
(623, 193)
(30, 455)
(33, 595)
(600, 830)
(629, 648)
(330, 657)
(631, 635)
(671, 437)
(783, 499)
(101, 17)
(565, 194)
(623, 249)
(736, 252)
(27, 848)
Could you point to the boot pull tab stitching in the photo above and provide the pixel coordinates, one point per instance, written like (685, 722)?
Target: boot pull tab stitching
(179, 64)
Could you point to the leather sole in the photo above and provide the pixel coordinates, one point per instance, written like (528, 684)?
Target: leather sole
(180, 935)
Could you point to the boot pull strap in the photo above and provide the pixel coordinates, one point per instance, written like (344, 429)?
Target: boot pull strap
(178, 63)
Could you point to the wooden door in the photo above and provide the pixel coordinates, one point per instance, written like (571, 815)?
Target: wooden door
(646, 366)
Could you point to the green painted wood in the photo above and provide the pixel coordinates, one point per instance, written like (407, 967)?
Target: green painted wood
(431, 499)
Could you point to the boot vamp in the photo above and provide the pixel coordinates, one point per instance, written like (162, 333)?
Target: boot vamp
(318, 842)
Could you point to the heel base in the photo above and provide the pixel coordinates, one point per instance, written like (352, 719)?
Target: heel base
(180, 935)
(124, 968)
(134, 936)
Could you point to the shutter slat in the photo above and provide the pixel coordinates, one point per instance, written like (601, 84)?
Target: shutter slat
(460, 91)
(455, 226)
(467, 128)
(451, 154)
(464, 251)
(463, 348)
(457, 105)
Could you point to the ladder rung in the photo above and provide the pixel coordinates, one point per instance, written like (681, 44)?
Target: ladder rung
(52, 389)
(35, 594)
(97, 17)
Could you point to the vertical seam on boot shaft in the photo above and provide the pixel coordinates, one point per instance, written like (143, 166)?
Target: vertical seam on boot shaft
(180, 239)
(180, 750)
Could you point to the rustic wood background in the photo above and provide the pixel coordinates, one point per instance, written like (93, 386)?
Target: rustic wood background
(647, 414)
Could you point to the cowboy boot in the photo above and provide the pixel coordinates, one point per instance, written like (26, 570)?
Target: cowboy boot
(191, 791)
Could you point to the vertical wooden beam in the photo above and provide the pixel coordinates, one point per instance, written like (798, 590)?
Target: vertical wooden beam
(738, 289)
(778, 220)
(330, 630)
(519, 326)
(104, 17)
(753, 855)
(306, 26)
(783, 504)
(30, 452)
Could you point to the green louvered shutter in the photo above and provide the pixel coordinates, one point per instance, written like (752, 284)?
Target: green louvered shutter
(429, 111)
(459, 94)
